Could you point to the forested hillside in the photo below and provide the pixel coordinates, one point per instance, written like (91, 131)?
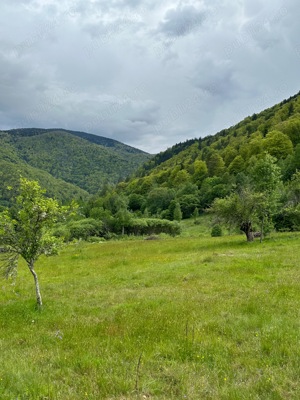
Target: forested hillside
(215, 159)
(186, 179)
(12, 167)
(275, 130)
(84, 160)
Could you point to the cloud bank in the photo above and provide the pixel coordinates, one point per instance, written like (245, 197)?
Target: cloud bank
(146, 73)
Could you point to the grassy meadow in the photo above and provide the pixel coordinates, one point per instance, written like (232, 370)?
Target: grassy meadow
(192, 317)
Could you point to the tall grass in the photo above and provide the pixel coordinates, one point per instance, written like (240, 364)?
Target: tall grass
(183, 318)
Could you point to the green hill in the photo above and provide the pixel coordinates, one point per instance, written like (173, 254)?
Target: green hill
(199, 170)
(58, 156)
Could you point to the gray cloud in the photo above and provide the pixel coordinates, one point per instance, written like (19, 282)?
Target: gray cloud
(147, 73)
(181, 21)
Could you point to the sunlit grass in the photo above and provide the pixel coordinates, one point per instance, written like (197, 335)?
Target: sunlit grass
(178, 318)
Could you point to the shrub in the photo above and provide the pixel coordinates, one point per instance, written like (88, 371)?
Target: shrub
(216, 231)
(149, 226)
(85, 228)
(288, 219)
(63, 232)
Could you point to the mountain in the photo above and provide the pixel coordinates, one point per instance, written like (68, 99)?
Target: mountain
(72, 163)
(194, 173)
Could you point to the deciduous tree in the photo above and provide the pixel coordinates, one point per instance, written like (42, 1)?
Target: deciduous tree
(266, 180)
(252, 202)
(239, 210)
(25, 229)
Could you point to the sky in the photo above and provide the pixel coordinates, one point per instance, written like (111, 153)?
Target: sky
(147, 73)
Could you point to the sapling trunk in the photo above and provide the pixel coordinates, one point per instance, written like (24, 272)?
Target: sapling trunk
(261, 229)
(37, 286)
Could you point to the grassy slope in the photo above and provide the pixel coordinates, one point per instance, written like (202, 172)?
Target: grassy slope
(211, 318)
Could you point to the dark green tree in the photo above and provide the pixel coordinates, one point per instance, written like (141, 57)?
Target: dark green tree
(215, 165)
(159, 199)
(266, 180)
(136, 202)
(177, 214)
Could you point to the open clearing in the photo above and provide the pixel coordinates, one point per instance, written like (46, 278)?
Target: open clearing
(177, 318)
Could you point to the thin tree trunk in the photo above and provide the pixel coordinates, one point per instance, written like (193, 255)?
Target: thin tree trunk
(37, 286)
(262, 230)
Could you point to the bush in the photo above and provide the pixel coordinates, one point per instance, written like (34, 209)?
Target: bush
(90, 229)
(85, 228)
(63, 232)
(288, 220)
(149, 226)
(216, 231)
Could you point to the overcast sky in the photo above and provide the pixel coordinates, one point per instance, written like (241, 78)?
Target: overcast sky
(148, 73)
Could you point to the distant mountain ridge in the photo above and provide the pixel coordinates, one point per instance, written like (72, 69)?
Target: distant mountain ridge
(83, 161)
(101, 140)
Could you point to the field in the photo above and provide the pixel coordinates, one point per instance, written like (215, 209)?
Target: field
(191, 317)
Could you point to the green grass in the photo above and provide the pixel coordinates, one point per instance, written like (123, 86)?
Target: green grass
(179, 318)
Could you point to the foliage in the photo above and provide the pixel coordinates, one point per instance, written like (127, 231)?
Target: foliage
(83, 229)
(215, 164)
(149, 226)
(256, 202)
(159, 199)
(288, 217)
(216, 231)
(136, 202)
(278, 144)
(237, 165)
(177, 214)
(239, 210)
(265, 176)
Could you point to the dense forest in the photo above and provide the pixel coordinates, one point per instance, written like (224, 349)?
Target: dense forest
(68, 164)
(12, 168)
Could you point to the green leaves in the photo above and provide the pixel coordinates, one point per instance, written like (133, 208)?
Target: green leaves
(278, 144)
